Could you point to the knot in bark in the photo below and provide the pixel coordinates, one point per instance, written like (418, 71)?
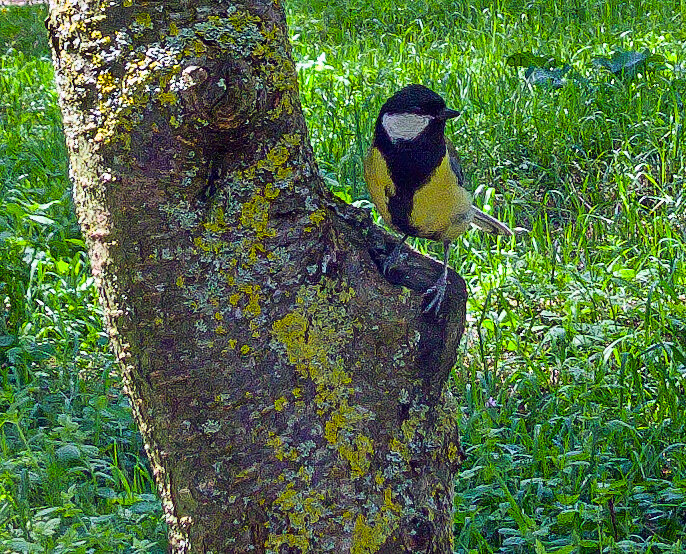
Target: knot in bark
(226, 97)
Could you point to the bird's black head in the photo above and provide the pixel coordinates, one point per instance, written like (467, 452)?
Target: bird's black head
(415, 99)
(411, 112)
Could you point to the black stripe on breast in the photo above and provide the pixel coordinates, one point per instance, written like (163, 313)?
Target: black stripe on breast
(410, 164)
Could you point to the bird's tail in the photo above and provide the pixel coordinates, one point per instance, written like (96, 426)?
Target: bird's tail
(490, 224)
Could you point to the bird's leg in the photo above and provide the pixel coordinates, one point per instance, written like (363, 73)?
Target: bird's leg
(438, 290)
(392, 259)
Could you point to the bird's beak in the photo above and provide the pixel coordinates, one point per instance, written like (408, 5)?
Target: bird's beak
(447, 113)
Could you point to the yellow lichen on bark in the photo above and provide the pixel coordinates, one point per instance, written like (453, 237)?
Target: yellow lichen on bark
(313, 335)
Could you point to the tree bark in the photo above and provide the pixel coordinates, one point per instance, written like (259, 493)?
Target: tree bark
(291, 398)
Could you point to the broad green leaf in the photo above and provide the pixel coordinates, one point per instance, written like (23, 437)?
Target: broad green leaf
(529, 59)
(547, 78)
(564, 550)
(40, 219)
(62, 266)
(628, 64)
(68, 453)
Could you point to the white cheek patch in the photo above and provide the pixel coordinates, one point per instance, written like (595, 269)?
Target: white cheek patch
(404, 126)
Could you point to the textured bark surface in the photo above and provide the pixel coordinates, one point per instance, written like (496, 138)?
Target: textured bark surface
(290, 397)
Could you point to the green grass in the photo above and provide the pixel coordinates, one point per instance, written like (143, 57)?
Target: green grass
(73, 477)
(573, 366)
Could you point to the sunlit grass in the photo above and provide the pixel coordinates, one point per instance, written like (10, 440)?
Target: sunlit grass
(573, 366)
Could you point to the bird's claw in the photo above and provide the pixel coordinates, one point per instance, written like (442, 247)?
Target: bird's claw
(393, 259)
(438, 292)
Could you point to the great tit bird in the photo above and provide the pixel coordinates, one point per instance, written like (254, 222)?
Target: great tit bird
(415, 180)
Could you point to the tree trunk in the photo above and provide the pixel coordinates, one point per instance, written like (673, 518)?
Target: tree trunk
(291, 398)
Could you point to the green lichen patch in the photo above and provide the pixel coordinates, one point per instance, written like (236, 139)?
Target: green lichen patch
(238, 32)
(302, 507)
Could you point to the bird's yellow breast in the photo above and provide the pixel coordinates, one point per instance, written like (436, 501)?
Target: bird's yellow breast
(441, 208)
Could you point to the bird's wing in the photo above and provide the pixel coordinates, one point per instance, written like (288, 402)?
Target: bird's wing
(482, 220)
(455, 162)
(379, 182)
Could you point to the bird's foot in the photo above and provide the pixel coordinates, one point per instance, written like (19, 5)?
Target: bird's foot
(438, 293)
(393, 258)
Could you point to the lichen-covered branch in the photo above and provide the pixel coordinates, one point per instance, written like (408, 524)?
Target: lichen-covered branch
(291, 398)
